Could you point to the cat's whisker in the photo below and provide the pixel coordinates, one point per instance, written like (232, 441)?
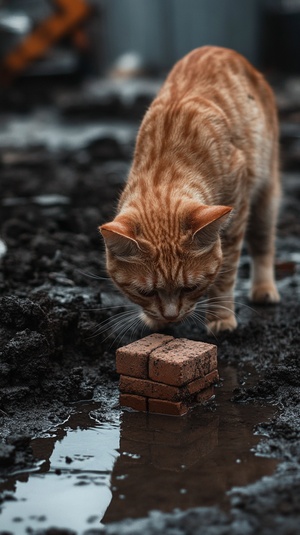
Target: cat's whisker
(217, 316)
(202, 322)
(108, 336)
(135, 327)
(193, 318)
(218, 306)
(120, 318)
(185, 320)
(94, 276)
(216, 298)
(112, 322)
(144, 327)
(100, 309)
(195, 315)
(246, 306)
(115, 327)
(189, 320)
(132, 323)
(224, 300)
(124, 328)
(222, 271)
(126, 317)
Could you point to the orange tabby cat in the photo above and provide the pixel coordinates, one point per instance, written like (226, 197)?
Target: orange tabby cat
(203, 178)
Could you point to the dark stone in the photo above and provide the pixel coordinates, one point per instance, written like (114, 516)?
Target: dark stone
(7, 454)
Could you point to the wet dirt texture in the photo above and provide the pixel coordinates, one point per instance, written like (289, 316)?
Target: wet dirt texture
(55, 191)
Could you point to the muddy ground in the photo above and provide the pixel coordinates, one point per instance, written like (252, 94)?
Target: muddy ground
(60, 177)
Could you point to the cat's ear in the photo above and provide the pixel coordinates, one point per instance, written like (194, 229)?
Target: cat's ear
(119, 238)
(206, 223)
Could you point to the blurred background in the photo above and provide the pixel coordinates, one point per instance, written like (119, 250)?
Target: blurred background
(76, 77)
(64, 38)
(104, 60)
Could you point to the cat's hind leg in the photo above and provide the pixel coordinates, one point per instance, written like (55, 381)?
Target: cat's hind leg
(261, 239)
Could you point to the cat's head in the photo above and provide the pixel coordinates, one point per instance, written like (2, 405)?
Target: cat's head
(165, 264)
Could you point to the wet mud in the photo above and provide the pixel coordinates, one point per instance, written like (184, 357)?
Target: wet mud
(54, 298)
(101, 469)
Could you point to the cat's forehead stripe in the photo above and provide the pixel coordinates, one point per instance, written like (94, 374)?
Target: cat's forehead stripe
(171, 274)
(166, 230)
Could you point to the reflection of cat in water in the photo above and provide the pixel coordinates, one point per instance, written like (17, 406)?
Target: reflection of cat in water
(203, 178)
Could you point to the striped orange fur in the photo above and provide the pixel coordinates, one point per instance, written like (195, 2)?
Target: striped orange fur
(204, 177)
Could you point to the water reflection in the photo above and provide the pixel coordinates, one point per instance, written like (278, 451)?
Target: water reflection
(93, 472)
(169, 462)
(72, 488)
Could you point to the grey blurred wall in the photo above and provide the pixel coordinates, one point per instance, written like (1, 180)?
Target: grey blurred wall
(164, 30)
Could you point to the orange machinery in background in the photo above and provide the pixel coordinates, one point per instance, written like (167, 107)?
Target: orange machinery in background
(66, 19)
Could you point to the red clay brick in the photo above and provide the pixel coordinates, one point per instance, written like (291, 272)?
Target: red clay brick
(147, 388)
(162, 406)
(138, 403)
(153, 389)
(206, 394)
(204, 382)
(181, 361)
(133, 359)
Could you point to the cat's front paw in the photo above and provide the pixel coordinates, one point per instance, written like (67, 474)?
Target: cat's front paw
(264, 293)
(222, 324)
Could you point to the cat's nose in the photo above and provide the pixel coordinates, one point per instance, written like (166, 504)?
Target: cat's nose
(170, 317)
(170, 312)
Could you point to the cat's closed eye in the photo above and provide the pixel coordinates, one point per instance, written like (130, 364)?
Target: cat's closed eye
(147, 293)
(189, 289)
(153, 292)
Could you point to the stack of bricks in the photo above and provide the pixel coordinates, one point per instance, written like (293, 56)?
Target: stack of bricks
(166, 375)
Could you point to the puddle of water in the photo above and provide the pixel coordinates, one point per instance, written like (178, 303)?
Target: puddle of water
(72, 485)
(92, 473)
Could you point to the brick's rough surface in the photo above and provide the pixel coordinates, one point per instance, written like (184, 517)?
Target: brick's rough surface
(202, 383)
(181, 361)
(163, 406)
(153, 389)
(147, 388)
(138, 403)
(164, 375)
(133, 359)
